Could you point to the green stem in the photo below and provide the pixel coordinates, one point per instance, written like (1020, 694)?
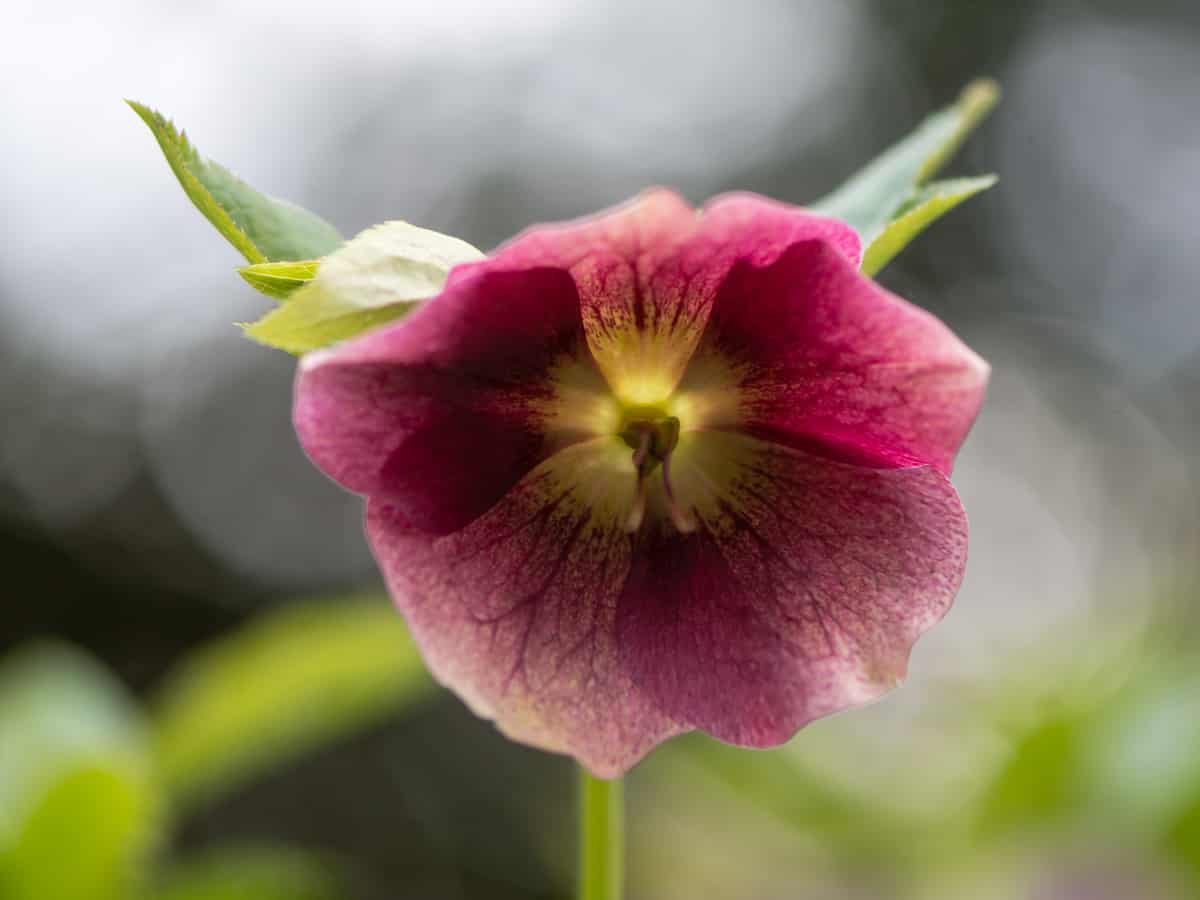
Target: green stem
(601, 838)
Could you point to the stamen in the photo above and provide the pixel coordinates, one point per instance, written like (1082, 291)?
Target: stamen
(684, 519)
(638, 511)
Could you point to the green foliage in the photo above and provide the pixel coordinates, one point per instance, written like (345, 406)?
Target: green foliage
(87, 837)
(924, 208)
(296, 678)
(378, 276)
(1040, 783)
(280, 279)
(261, 228)
(250, 874)
(75, 772)
(893, 185)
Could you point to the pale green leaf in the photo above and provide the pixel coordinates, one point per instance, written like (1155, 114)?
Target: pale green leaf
(261, 228)
(281, 686)
(250, 874)
(872, 198)
(280, 279)
(75, 776)
(378, 276)
(925, 206)
(58, 707)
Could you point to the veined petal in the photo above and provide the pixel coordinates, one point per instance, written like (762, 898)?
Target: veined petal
(648, 272)
(800, 592)
(443, 412)
(825, 359)
(516, 612)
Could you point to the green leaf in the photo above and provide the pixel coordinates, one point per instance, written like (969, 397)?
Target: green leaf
(76, 778)
(88, 836)
(283, 685)
(378, 276)
(925, 206)
(250, 874)
(261, 228)
(873, 197)
(280, 279)
(1041, 782)
(57, 707)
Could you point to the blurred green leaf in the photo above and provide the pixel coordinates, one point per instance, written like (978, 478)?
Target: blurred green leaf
(281, 686)
(261, 228)
(58, 707)
(79, 803)
(88, 836)
(777, 783)
(378, 276)
(250, 874)
(280, 279)
(926, 206)
(1042, 780)
(884, 188)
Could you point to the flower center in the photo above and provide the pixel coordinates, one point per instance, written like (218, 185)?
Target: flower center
(653, 435)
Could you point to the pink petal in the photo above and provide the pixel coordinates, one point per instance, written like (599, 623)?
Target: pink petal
(648, 272)
(800, 594)
(443, 412)
(515, 613)
(830, 361)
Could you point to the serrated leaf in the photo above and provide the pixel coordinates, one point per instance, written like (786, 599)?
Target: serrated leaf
(250, 874)
(872, 198)
(283, 685)
(260, 227)
(280, 279)
(375, 278)
(924, 207)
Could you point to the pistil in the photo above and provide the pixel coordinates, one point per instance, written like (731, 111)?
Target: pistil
(652, 439)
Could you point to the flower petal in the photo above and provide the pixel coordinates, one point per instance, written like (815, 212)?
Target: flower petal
(649, 270)
(515, 613)
(443, 412)
(827, 360)
(800, 593)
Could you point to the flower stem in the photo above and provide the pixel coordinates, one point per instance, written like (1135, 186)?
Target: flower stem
(601, 838)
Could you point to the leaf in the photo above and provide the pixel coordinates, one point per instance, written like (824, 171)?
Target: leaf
(88, 836)
(281, 686)
(925, 206)
(250, 874)
(76, 778)
(378, 276)
(57, 707)
(873, 197)
(280, 279)
(261, 228)
(1042, 780)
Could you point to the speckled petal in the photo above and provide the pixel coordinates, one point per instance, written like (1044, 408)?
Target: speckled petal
(823, 358)
(800, 593)
(515, 612)
(443, 412)
(648, 272)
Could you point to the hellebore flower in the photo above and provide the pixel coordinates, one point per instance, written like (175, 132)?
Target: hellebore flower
(655, 471)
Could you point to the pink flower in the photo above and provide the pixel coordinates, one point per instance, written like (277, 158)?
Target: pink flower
(656, 471)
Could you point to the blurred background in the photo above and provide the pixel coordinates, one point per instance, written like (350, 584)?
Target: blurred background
(204, 696)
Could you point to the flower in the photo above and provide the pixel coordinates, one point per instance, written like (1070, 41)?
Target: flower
(655, 471)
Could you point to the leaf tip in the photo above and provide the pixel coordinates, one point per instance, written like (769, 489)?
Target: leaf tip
(978, 98)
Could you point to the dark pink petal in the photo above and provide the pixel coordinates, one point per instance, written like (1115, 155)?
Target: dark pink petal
(801, 592)
(648, 272)
(825, 358)
(515, 612)
(441, 413)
